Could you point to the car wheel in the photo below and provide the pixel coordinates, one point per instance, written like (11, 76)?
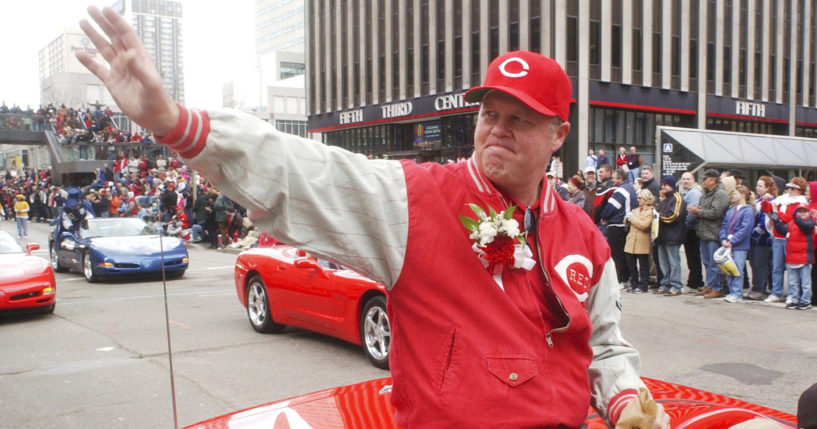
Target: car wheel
(375, 332)
(88, 268)
(176, 274)
(258, 310)
(55, 259)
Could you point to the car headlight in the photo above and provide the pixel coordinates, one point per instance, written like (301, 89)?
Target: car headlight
(185, 259)
(68, 245)
(106, 264)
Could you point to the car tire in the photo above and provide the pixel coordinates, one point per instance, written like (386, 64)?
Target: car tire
(176, 274)
(88, 268)
(375, 332)
(258, 308)
(55, 259)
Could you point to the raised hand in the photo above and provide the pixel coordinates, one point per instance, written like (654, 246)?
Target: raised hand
(132, 78)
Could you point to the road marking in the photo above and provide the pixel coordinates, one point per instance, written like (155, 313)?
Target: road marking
(105, 349)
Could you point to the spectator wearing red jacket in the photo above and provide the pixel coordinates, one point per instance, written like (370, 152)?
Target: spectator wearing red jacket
(784, 207)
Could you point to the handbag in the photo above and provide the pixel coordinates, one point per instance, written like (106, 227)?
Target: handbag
(726, 263)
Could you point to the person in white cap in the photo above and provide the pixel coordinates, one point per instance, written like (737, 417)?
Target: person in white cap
(514, 324)
(590, 179)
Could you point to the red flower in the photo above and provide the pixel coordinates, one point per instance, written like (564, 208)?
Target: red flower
(500, 251)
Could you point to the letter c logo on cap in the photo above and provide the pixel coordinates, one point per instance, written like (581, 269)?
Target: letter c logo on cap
(523, 63)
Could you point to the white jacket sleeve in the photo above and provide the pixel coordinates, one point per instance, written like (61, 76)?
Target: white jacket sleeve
(323, 199)
(616, 363)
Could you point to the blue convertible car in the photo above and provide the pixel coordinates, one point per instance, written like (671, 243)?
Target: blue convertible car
(116, 247)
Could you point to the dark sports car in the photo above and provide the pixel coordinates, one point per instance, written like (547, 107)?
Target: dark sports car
(366, 405)
(116, 247)
(282, 285)
(26, 281)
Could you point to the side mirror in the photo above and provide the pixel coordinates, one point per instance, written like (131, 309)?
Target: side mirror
(31, 247)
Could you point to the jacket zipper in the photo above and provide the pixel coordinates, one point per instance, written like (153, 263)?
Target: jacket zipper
(548, 336)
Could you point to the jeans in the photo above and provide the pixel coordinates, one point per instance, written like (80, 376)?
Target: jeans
(714, 277)
(669, 260)
(800, 283)
(778, 265)
(22, 226)
(196, 232)
(639, 266)
(633, 174)
(760, 258)
(736, 283)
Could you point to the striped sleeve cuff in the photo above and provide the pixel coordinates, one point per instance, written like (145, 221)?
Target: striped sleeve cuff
(618, 403)
(190, 133)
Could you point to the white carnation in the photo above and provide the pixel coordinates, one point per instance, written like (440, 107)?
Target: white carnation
(510, 227)
(487, 232)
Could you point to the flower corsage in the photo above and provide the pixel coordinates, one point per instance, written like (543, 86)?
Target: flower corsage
(498, 241)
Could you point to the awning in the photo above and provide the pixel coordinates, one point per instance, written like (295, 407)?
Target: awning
(723, 148)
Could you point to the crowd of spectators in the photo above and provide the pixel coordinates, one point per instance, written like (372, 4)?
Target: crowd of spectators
(71, 125)
(741, 240)
(157, 190)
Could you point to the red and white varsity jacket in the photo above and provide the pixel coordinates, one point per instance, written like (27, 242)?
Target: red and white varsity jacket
(465, 352)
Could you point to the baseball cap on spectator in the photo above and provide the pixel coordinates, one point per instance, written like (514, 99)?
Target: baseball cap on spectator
(589, 169)
(534, 79)
(712, 173)
(549, 174)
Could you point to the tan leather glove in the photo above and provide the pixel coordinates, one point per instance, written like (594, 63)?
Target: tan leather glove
(642, 413)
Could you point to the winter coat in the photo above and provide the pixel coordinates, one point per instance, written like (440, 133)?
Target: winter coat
(692, 197)
(672, 212)
(638, 238)
(761, 236)
(622, 202)
(713, 205)
(799, 240)
(737, 226)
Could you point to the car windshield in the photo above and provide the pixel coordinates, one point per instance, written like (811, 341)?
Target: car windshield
(8, 244)
(117, 227)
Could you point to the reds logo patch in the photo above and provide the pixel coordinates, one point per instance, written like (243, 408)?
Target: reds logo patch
(576, 271)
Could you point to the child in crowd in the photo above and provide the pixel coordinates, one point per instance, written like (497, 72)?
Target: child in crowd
(799, 255)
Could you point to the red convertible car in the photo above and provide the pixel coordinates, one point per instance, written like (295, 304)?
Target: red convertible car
(282, 285)
(26, 282)
(366, 405)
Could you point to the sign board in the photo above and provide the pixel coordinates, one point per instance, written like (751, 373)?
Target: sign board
(676, 159)
(428, 135)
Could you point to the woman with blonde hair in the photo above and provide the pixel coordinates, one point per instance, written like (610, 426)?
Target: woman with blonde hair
(638, 244)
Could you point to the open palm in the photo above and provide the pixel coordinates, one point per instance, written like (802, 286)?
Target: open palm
(132, 78)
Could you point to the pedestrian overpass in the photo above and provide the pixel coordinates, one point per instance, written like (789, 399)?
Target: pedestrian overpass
(66, 160)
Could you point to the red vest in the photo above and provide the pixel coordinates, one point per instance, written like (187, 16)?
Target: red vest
(464, 354)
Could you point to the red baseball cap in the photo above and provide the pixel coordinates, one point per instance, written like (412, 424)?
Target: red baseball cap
(534, 79)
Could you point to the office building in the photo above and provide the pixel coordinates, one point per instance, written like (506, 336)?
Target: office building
(387, 78)
(159, 25)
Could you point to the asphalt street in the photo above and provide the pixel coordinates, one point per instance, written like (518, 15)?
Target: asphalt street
(101, 359)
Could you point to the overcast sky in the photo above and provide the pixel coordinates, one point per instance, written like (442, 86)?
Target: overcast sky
(218, 44)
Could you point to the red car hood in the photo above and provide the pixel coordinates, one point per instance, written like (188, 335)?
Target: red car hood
(18, 266)
(366, 405)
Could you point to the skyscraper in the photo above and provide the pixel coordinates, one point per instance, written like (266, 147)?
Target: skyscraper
(159, 25)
